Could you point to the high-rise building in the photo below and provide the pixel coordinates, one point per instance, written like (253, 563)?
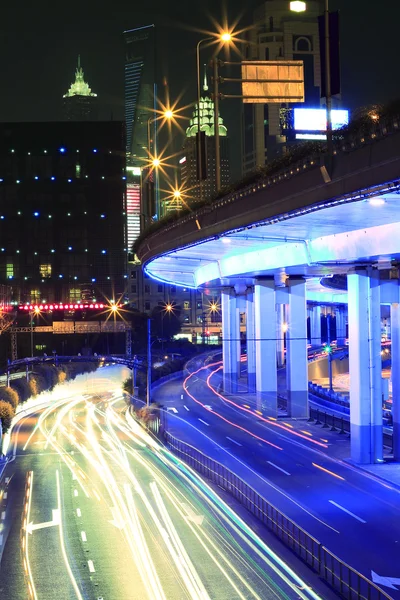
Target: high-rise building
(80, 103)
(188, 162)
(278, 33)
(140, 90)
(63, 211)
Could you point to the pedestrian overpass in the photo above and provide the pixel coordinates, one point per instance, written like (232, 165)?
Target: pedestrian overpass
(266, 246)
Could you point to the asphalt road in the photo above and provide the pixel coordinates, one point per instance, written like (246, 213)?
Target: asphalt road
(91, 507)
(297, 467)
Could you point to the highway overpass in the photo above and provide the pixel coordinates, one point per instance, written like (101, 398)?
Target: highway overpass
(267, 246)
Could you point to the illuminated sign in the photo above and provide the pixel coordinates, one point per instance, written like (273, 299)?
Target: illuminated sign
(133, 212)
(134, 170)
(314, 119)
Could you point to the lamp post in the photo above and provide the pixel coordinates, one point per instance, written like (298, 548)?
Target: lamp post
(148, 388)
(168, 114)
(297, 6)
(199, 148)
(224, 37)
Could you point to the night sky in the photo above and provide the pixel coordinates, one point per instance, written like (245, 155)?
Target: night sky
(40, 41)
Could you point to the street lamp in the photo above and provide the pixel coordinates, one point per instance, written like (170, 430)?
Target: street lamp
(298, 6)
(224, 37)
(35, 311)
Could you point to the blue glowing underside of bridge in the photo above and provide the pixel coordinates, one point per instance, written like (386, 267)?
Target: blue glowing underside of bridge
(314, 242)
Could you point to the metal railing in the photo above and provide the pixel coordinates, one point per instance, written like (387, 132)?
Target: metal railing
(348, 582)
(340, 424)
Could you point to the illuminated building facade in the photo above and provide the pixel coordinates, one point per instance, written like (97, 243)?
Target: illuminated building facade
(278, 33)
(188, 163)
(80, 103)
(63, 211)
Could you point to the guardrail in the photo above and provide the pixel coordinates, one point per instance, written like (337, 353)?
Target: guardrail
(341, 424)
(345, 580)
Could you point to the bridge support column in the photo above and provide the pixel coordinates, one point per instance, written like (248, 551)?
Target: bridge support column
(230, 340)
(395, 333)
(340, 315)
(365, 366)
(250, 342)
(315, 326)
(296, 349)
(280, 335)
(265, 334)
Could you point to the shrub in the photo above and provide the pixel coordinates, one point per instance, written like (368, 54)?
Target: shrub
(6, 415)
(21, 387)
(9, 395)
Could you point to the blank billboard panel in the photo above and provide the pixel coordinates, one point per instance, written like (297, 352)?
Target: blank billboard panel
(272, 81)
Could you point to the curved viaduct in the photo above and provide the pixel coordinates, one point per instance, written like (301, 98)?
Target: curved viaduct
(267, 245)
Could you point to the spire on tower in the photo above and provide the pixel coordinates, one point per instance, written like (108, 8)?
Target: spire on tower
(79, 87)
(205, 83)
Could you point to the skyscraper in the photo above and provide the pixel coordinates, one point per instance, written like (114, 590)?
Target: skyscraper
(80, 103)
(277, 34)
(140, 90)
(188, 162)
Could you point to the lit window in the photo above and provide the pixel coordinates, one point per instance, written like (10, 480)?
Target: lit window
(74, 295)
(78, 170)
(186, 305)
(35, 296)
(9, 270)
(45, 270)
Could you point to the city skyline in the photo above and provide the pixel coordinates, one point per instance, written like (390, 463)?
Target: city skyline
(97, 36)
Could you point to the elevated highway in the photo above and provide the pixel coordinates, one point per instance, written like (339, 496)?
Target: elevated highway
(266, 246)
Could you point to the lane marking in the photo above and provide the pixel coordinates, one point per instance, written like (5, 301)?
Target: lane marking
(3, 515)
(75, 492)
(186, 407)
(1, 539)
(91, 566)
(172, 408)
(327, 471)
(347, 511)
(276, 467)
(78, 512)
(234, 441)
(5, 495)
(83, 536)
(205, 422)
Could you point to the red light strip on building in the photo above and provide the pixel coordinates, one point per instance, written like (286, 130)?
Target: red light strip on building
(60, 306)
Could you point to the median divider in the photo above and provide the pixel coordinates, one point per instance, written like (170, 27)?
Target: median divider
(345, 580)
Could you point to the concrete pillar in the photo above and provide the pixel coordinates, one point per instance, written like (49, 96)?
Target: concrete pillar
(230, 340)
(395, 333)
(365, 366)
(280, 339)
(250, 342)
(265, 334)
(340, 326)
(296, 350)
(315, 326)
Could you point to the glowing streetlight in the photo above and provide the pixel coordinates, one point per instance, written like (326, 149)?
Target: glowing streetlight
(227, 37)
(156, 162)
(168, 114)
(168, 307)
(177, 194)
(298, 6)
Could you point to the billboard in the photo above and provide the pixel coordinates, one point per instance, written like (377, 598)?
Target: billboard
(314, 119)
(272, 81)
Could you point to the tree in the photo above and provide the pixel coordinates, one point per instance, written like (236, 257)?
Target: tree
(165, 321)
(6, 415)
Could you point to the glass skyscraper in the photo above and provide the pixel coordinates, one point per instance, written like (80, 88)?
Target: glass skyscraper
(140, 90)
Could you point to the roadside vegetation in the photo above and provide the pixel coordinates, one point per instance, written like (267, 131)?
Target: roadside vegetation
(43, 379)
